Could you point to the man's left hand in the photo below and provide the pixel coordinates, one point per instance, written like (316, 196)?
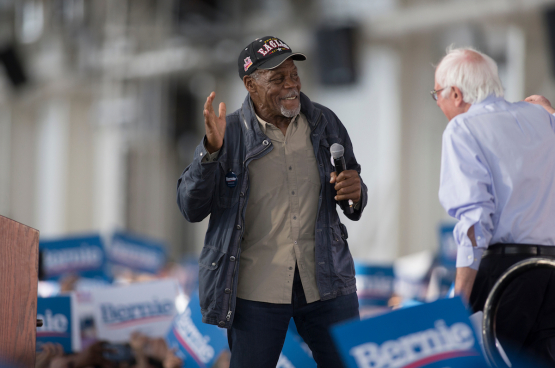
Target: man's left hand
(347, 185)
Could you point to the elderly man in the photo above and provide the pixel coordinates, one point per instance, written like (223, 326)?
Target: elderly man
(275, 248)
(498, 180)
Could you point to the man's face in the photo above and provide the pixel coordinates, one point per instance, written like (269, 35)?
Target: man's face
(277, 91)
(453, 104)
(447, 105)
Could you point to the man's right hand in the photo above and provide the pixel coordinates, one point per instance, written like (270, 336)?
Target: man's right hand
(214, 125)
(542, 101)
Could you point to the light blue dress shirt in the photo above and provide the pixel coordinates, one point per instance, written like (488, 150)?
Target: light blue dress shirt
(498, 174)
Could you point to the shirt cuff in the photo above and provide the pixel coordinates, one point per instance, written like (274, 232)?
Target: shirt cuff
(469, 257)
(209, 157)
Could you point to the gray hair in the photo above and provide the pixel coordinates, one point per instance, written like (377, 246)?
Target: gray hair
(258, 73)
(473, 72)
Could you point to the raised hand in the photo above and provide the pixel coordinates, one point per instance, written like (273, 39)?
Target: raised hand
(48, 352)
(171, 360)
(214, 125)
(542, 101)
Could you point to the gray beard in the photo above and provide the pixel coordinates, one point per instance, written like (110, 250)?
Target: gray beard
(290, 113)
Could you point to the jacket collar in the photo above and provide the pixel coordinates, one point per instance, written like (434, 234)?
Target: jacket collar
(254, 137)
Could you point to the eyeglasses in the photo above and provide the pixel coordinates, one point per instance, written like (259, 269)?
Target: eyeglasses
(435, 92)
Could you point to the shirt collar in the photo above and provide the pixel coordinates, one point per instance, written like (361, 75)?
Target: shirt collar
(264, 124)
(486, 101)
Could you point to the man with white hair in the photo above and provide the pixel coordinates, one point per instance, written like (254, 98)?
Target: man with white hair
(498, 180)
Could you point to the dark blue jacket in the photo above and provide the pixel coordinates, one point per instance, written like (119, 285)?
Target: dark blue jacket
(202, 191)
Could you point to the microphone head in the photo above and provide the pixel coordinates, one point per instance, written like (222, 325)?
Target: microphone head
(337, 150)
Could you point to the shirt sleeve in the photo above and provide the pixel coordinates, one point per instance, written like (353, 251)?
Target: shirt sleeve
(466, 192)
(209, 157)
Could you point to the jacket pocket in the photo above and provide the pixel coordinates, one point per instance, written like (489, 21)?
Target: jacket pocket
(342, 258)
(344, 233)
(209, 270)
(229, 189)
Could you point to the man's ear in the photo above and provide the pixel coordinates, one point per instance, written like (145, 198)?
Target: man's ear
(249, 82)
(457, 96)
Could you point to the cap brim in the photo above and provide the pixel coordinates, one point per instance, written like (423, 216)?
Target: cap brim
(278, 60)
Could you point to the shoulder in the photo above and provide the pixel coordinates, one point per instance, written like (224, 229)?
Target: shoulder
(233, 120)
(458, 129)
(330, 115)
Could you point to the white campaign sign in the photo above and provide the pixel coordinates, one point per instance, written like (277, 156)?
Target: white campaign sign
(147, 307)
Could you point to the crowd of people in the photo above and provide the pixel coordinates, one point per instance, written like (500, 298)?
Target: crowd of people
(141, 351)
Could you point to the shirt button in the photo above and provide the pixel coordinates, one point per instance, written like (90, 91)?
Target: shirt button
(265, 142)
(238, 227)
(295, 242)
(290, 168)
(232, 259)
(478, 237)
(293, 192)
(290, 268)
(221, 323)
(228, 291)
(201, 153)
(294, 217)
(469, 257)
(213, 263)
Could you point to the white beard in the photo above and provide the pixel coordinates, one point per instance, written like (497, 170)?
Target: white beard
(290, 113)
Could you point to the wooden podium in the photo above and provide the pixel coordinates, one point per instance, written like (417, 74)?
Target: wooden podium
(19, 255)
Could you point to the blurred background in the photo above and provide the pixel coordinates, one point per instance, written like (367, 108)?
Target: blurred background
(101, 102)
(101, 110)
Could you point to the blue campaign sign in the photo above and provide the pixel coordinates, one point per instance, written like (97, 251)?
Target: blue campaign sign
(59, 322)
(447, 245)
(295, 353)
(374, 284)
(135, 252)
(81, 255)
(437, 334)
(197, 344)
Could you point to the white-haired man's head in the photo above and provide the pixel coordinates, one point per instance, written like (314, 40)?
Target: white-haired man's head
(465, 77)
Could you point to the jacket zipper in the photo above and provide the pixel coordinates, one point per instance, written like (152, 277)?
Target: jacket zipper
(228, 317)
(318, 152)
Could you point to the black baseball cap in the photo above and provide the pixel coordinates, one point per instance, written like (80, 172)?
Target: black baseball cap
(265, 53)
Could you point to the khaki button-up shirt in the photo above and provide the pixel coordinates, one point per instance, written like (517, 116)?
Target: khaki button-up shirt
(280, 217)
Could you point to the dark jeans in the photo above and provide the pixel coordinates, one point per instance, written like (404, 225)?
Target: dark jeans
(525, 321)
(258, 331)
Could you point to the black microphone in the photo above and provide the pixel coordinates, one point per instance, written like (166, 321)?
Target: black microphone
(337, 152)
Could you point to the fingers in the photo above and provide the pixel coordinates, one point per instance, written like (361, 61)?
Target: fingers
(208, 109)
(348, 186)
(345, 179)
(542, 101)
(59, 350)
(222, 110)
(531, 98)
(209, 100)
(333, 177)
(535, 98)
